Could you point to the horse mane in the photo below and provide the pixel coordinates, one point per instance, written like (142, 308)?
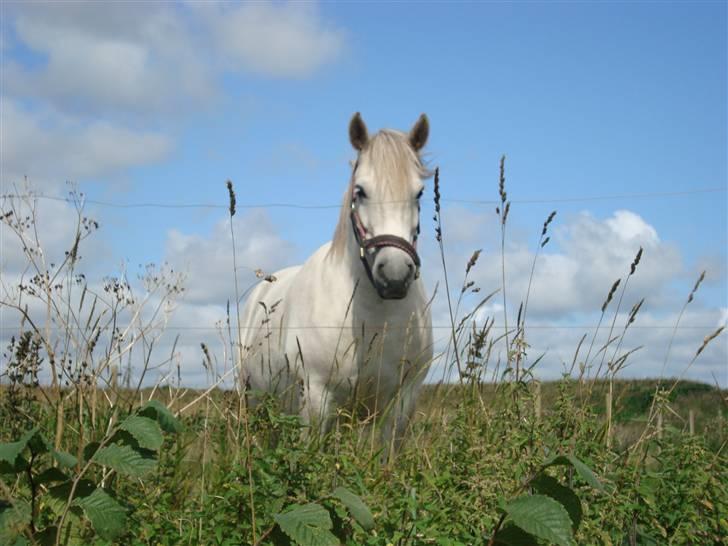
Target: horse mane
(392, 160)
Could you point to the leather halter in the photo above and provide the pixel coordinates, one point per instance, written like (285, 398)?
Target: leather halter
(370, 246)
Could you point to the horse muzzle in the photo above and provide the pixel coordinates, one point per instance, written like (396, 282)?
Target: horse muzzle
(392, 273)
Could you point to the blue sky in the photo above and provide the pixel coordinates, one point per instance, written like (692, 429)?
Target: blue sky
(162, 102)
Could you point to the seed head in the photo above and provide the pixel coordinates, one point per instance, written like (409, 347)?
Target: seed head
(547, 222)
(695, 288)
(231, 193)
(473, 260)
(636, 262)
(635, 309)
(709, 338)
(506, 210)
(611, 294)
(502, 180)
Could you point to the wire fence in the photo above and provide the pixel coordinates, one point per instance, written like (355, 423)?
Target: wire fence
(538, 200)
(574, 199)
(617, 327)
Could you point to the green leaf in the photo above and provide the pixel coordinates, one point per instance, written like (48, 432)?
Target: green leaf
(125, 460)
(14, 518)
(9, 451)
(66, 460)
(46, 537)
(307, 525)
(550, 486)
(358, 510)
(106, 515)
(154, 409)
(144, 430)
(543, 517)
(583, 470)
(89, 450)
(510, 535)
(57, 497)
(51, 474)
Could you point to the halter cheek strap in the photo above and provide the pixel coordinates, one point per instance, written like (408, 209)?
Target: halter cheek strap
(370, 246)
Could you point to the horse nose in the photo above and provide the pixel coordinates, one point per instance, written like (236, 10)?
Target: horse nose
(395, 272)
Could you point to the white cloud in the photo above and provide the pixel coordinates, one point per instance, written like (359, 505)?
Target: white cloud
(208, 260)
(50, 148)
(280, 40)
(98, 58)
(575, 271)
(102, 57)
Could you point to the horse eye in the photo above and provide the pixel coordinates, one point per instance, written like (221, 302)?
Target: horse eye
(359, 193)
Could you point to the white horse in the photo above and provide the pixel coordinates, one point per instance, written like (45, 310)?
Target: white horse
(352, 324)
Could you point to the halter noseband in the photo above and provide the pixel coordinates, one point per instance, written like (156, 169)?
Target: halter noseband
(370, 246)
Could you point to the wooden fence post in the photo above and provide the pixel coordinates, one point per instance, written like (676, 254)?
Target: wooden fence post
(691, 422)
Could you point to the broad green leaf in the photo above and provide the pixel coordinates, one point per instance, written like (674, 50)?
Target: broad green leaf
(46, 537)
(542, 517)
(9, 451)
(550, 486)
(358, 510)
(75, 531)
(583, 470)
(585, 473)
(125, 460)
(7, 468)
(510, 535)
(13, 519)
(106, 515)
(51, 474)
(144, 430)
(66, 460)
(57, 496)
(89, 450)
(154, 409)
(307, 525)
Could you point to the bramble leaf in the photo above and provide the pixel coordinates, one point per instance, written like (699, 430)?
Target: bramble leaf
(125, 460)
(154, 409)
(542, 517)
(106, 515)
(550, 486)
(144, 430)
(358, 510)
(307, 525)
(583, 470)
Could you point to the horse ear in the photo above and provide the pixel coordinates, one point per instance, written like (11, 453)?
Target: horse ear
(419, 133)
(358, 132)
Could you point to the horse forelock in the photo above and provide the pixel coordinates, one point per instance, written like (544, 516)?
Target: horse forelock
(392, 161)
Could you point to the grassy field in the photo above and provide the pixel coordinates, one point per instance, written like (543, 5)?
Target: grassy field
(468, 455)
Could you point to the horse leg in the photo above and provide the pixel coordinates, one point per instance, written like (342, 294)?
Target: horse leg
(397, 422)
(316, 407)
